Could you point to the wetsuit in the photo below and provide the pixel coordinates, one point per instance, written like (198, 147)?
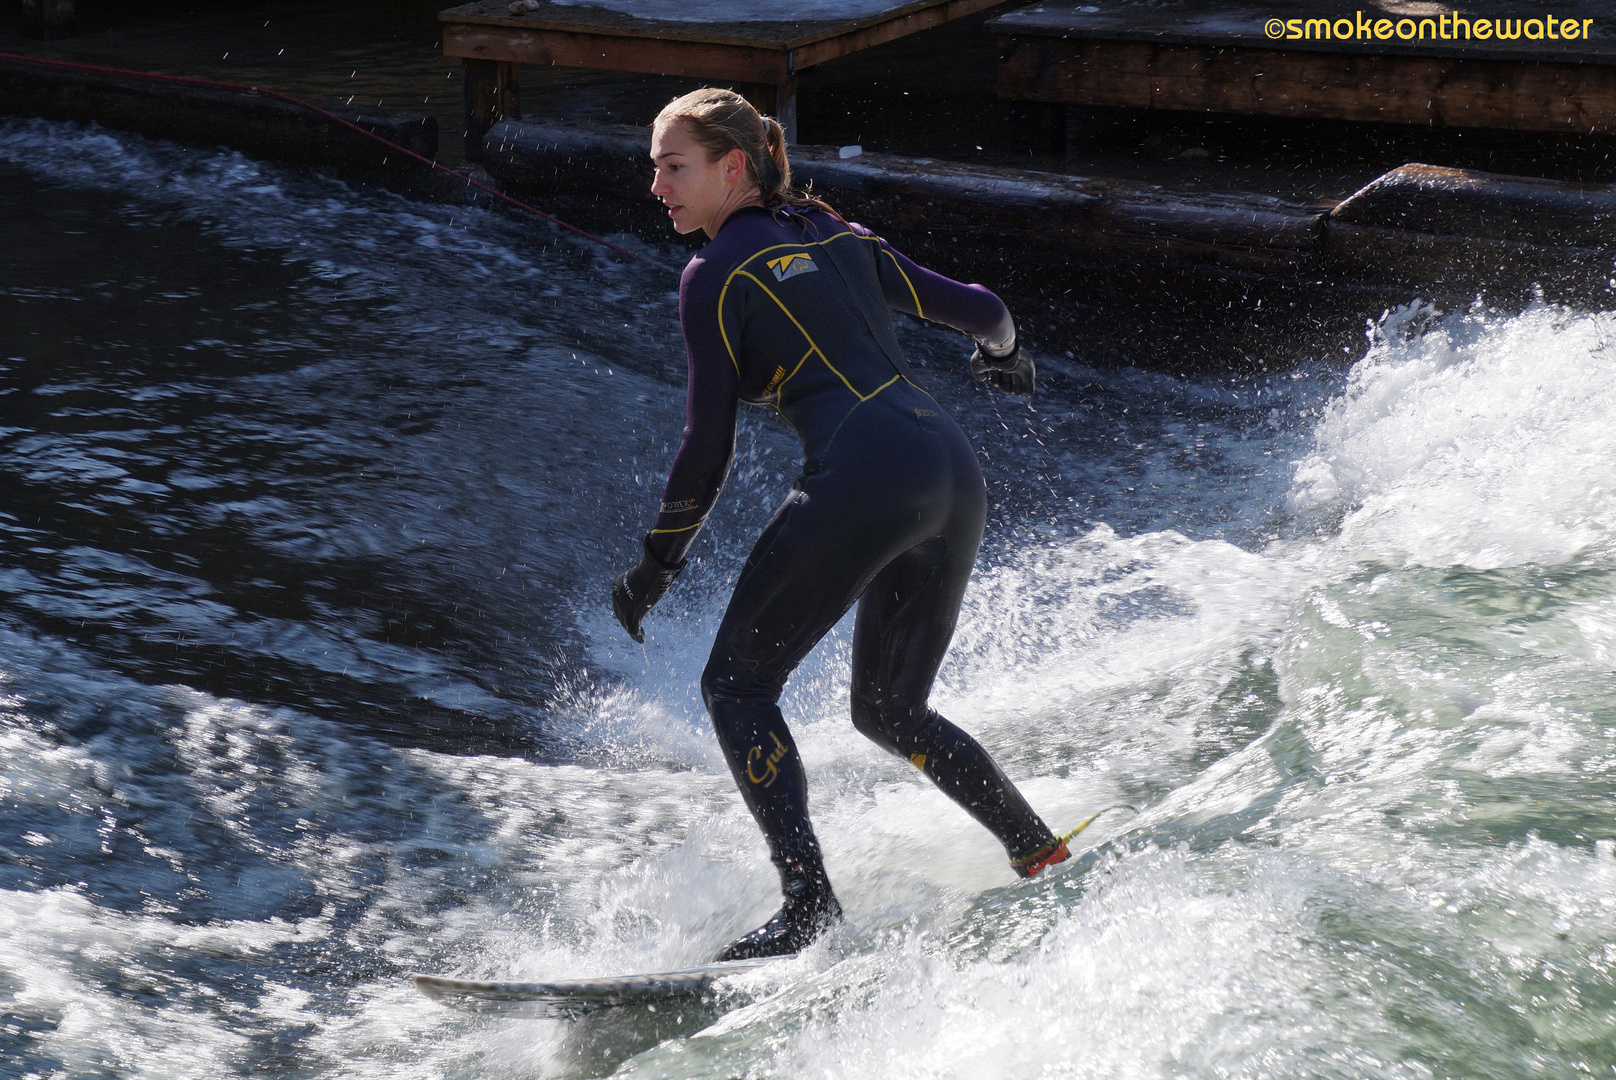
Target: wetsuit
(792, 310)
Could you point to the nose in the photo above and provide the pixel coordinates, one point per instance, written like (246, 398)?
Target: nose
(659, 186)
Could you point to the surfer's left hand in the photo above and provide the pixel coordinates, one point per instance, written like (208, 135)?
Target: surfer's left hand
(1014, 372)
(636, 592)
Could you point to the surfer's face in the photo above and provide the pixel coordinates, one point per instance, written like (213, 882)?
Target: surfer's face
(699, 191)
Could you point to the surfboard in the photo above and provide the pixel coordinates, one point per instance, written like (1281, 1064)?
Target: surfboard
(568, 998)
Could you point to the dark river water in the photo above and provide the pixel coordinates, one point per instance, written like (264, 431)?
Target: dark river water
(309, 500)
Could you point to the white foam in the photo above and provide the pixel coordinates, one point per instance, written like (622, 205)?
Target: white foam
(1480, 441)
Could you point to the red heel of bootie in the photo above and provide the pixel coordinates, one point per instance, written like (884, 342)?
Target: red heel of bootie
(1046, 856)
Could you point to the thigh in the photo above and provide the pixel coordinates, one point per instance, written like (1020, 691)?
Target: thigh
(906, 619)
(805, 571)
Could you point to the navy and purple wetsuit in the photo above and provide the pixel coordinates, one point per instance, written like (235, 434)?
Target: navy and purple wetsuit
(792, 309)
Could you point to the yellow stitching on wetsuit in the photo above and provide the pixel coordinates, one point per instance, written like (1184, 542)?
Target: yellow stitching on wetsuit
(805, 335)
(781, 388)
(687, 528)
(727, 346)
(918, 310)
(777, 247)
(813, 348)
(882, 387)
(917, 386)
(741, 271)
(722, 293)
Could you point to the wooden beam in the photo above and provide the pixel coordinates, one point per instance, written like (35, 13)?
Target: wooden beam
(778, 100)
(492, 95)
(1434, 91)
(649, 56)
(48, 18)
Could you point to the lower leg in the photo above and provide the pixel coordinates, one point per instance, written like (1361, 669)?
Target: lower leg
(964, 772)
(767, 768)
(905, 621)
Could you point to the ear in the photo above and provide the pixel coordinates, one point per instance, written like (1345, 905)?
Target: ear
(734, 166)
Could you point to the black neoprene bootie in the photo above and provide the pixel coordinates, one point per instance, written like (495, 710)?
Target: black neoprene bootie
(810, 909)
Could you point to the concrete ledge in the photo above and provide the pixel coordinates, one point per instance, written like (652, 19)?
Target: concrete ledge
(206, 116)
(1460, 202)
(1446, 234)
(602, 171)
(1456, 233)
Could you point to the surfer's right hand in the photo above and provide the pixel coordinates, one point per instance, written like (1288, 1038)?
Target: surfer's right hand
(636, 592)
(1013, 372)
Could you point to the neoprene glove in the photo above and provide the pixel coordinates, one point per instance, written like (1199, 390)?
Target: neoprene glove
(1013, 373)
(636, 592)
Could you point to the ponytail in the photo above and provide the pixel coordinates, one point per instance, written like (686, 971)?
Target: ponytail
(721, 121)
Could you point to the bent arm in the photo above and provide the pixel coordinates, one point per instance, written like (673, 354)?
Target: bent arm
(910, 287)
(712, 399)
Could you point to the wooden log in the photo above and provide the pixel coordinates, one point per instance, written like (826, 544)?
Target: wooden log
(48, 18)
(200, 115)
(1072, 256)
(1436, 91)
(1442, 234)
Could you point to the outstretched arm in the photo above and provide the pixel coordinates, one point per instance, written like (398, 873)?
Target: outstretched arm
(910, 287)
(913, 288)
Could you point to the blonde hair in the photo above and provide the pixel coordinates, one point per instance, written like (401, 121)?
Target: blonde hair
(721, 121)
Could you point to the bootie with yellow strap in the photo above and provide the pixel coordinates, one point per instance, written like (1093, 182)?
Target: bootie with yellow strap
(1056, 851)
(1028, 865)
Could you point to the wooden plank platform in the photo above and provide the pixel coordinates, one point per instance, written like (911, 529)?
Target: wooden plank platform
(1384, 61)
(759, 58)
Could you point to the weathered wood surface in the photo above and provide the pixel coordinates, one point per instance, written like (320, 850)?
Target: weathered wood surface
(1449, 92)
(1241, 24)
(838, 37)
(1180, 56)
(641, 55)
(764, 55)
(205, 116)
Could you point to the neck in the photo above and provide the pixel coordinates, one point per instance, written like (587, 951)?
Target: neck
(737, 200)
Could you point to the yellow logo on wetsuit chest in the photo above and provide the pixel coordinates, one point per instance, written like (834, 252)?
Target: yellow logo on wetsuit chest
(787, 266)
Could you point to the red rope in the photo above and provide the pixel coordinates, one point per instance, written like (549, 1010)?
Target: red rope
(300, 103)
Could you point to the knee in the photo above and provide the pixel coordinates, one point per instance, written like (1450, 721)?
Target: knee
(888, 723)
(728, 679)
(714, 682)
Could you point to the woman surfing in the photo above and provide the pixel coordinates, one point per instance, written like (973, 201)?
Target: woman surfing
(789, 306)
